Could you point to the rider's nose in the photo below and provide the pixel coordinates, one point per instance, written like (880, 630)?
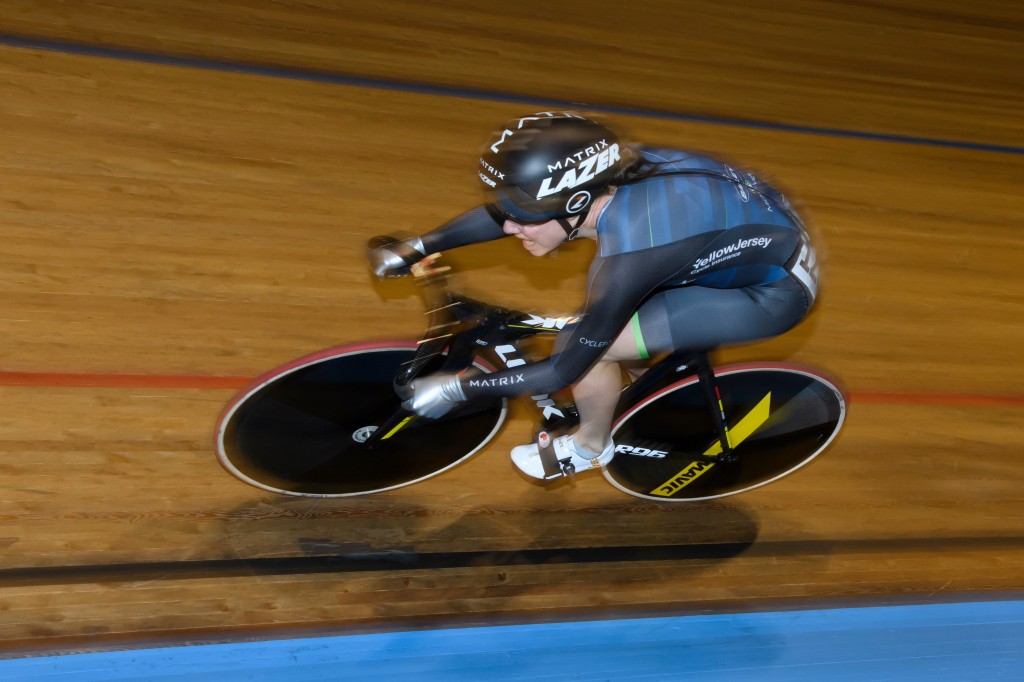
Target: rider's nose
(510, 227)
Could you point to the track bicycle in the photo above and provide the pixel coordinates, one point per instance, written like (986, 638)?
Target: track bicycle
(331, 424)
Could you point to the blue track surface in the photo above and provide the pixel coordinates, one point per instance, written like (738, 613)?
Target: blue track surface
(981, 641)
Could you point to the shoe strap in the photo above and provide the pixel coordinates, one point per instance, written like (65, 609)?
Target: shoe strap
(548, 456)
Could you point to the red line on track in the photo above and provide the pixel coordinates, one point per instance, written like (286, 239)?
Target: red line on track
(65, 380)
(947, 400)
(69, 380)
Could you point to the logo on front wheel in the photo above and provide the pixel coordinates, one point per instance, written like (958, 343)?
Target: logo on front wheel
(363, 434)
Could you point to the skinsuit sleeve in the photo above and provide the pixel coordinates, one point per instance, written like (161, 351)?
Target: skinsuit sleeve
(617, 285)
(477, 225)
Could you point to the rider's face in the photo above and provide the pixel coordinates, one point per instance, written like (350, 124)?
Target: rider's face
(538, 238)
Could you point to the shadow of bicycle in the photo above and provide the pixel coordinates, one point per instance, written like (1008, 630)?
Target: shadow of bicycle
(352, 538)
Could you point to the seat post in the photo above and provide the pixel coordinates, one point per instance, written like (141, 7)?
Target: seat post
(709, 384)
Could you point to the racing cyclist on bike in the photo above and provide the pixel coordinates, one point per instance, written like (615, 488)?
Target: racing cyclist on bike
(692, 254)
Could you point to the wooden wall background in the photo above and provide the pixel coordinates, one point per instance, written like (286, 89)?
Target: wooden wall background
(169, 227)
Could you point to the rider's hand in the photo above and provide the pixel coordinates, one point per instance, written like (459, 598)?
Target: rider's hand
(433, 396)
(394, 259)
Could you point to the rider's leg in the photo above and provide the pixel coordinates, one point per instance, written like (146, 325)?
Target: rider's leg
(693, 318)
(596, 396)
(597, 393)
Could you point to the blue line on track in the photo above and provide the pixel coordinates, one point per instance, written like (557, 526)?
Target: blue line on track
(477, 94)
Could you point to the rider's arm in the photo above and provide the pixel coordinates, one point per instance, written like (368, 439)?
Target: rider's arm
(618, 284)
(477, 225)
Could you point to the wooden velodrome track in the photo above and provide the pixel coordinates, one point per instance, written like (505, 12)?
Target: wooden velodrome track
(172, 227)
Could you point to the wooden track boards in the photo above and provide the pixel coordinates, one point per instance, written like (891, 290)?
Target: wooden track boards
(172, 222)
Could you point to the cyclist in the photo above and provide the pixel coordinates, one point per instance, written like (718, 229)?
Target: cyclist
(692, 254)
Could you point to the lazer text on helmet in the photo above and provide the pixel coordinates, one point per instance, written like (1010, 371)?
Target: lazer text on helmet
(580, 168)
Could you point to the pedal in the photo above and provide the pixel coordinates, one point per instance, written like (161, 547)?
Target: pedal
(567, 467)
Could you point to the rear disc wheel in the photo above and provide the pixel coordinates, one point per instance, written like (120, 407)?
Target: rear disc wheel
(780, 418)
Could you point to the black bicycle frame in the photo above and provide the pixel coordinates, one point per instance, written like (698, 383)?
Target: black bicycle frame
(464, 329)
(678, 366)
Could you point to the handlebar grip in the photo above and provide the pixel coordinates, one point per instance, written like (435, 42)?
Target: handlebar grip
(391, 257)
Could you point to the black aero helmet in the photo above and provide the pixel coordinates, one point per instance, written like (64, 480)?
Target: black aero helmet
(548, 166)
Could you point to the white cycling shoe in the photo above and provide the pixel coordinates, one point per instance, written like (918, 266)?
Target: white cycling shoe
(527, 457)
